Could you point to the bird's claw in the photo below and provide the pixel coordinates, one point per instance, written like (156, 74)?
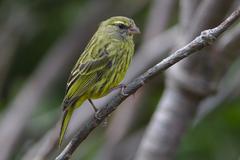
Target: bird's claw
(122, 91)
(97, 116)
(122, 87)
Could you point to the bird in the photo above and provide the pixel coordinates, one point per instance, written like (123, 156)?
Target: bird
(101, 66)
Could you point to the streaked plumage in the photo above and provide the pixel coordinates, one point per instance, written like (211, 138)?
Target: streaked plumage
(102, 65)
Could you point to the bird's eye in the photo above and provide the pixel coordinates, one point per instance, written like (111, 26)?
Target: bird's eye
(122, 26)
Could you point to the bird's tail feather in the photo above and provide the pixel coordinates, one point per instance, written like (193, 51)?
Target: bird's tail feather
(65, 121)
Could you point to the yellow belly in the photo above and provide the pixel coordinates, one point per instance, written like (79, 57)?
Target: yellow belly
(109, 80)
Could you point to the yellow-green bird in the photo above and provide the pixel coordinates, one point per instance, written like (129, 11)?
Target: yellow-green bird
(101, 67)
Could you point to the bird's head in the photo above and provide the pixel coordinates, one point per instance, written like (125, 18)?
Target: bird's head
(120, 26)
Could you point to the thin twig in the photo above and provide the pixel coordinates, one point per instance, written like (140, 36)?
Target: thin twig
(205, 39)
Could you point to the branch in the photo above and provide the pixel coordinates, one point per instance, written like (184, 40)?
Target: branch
(48, 144)
(190, 74)
(205, 39)
(228, 89)
(187, 83)
(48, 72)
(227, 49)
(157, 44)
(209, 13)
(156, 47)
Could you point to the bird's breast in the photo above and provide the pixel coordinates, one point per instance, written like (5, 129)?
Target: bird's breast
(116, 70)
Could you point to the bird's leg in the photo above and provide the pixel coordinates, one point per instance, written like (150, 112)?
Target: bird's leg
(96, 112)
(95, 109)
(122, 87)
(93, 106)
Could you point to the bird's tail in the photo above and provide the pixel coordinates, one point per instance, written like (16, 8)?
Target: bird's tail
(65, 121)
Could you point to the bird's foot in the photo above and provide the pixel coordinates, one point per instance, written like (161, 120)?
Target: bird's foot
(122, 91)
(122, 87)
(96, 110)
(93, 105)
(97, 116)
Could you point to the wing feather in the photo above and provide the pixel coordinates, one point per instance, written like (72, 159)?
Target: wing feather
(83, 76)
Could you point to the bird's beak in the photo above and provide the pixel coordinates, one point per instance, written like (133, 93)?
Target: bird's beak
(134, 30)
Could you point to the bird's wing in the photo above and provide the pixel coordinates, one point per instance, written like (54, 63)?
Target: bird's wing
(83, 76)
